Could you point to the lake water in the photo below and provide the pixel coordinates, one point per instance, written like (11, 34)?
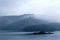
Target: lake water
(20, 36)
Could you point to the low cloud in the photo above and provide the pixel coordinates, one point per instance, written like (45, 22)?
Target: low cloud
(45, 9)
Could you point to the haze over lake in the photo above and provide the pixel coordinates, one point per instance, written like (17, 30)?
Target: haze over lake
(23, 19)
(21, 36)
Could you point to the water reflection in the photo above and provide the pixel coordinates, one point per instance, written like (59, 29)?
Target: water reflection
(19, 36)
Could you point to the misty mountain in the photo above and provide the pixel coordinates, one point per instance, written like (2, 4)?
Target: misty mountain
(25, 20)
(6, 20)
(56, 26)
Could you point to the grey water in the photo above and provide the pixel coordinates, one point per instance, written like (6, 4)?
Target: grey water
(20, 36)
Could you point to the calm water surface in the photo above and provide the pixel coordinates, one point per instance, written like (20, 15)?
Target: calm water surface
(21, 36)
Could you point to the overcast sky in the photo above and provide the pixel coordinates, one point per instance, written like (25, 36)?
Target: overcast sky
(47, 9)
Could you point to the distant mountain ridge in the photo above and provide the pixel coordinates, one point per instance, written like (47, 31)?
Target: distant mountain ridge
(25, 20)
(6, 20)
(18, 23)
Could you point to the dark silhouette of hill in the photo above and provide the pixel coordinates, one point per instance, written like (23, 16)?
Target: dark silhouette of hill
(26, 22)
